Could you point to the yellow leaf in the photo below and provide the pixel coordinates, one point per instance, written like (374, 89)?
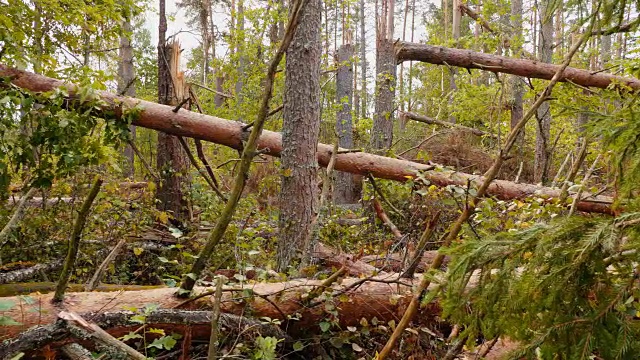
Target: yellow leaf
(287, 172)
(364, 322)
(163, 217)
(137, 251)
(157, 331)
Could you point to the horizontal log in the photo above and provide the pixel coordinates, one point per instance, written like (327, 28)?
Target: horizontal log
(333, 258)
(10, 290)
(439, 55)
(120, 323)
(30, 272)
(122, 185)
(431, 121)
(230, 133)
(380, 297)
(54, 200)
(396, 262)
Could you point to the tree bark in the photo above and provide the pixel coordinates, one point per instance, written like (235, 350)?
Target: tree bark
(457, 17)
(363, 63)
(300, 129)
(74, 241)
(543, 115)
(230, 133)
(17, 216)
(527, 68)
(126, 85)
(18, 276)
(240, 52)
(517, 87)
(385, 301)
(171, 161)
(118, 323)
(382, 131)
(344, 187)
(430, 121)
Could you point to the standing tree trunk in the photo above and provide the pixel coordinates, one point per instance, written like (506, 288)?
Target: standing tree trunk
(218, 100)
(457, 18)
(171, 160)
(559, 29)
(344, 191)
(401, 77)
(543, 114)
(126, 85)
(363, 63)
(455, 32)
(205, 7)
(517, 86)
(301, 124)
(382, 131)
(240, 51)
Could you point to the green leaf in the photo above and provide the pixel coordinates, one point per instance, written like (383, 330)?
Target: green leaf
(6, 321)
(165, 342)
(324, 326)
(130, 336)
(298, 345)
(138, 319)
(6, 304)
(29, 300)
(18, 356)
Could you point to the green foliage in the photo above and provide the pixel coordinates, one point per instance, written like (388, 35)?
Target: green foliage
(568, 287)
(51, 134)
(49, 34)
(620, 131)
(266, 348)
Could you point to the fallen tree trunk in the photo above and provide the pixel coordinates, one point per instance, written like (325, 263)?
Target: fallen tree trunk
(382, 297)
(333, 258)
(395, 262)
(439, 55)
(120, 323)
(29, 273)
(430, 121)
(230, 133)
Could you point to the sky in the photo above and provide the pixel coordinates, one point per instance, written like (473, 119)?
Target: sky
(190, 39)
